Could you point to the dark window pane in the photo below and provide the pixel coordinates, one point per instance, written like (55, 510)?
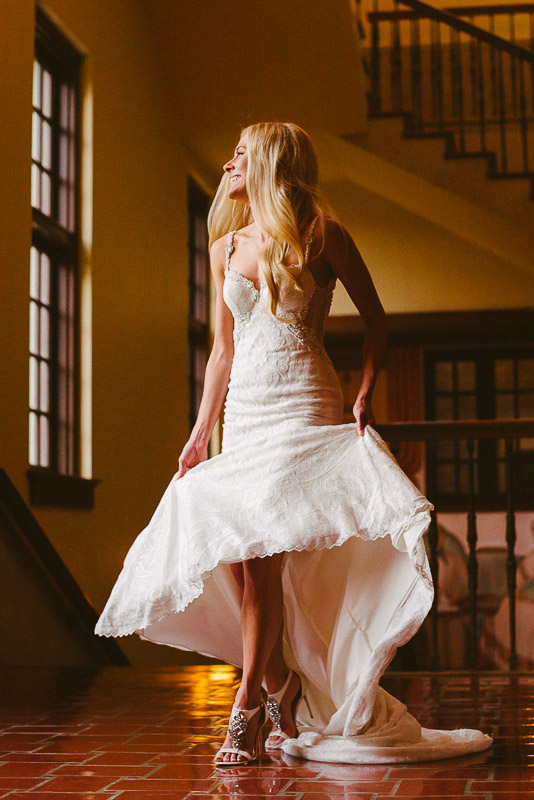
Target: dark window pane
(445, 450)
(504, 404)
(496, 385)
(525, 374)
(467, 406)
(526, 405)
(443, 372)
(444, 407)
(504, 373)
(446, 478)
(466, 375)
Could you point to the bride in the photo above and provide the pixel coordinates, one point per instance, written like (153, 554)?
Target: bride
(296, 553)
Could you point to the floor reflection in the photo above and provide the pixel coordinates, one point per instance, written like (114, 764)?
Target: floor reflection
(124, 733)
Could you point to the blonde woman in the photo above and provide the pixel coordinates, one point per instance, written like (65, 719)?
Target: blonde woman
(297, 552)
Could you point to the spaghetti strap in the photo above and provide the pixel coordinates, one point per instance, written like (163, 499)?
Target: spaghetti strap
(229, 249)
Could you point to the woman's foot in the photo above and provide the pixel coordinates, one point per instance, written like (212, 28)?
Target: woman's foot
(242, 735)
(282, 706)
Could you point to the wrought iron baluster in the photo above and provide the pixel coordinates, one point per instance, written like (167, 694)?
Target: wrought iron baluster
(457, 85)
(511, 562)
(396, 63)
(513, 67)
(461, 127)
(375, 100)
(473, 70)
(436, 73)
(523, 121)
(433, 535)
(472, 563)
(493, 72)
(481, 96)
(502, 112)
(415, 73)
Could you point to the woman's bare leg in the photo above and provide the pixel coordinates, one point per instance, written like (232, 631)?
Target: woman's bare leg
(261, 622)
(276, 671)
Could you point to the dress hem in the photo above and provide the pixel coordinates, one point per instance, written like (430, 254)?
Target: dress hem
(419, 513)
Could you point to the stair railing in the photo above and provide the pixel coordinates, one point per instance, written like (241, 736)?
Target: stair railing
(493, 18)
(449, 77)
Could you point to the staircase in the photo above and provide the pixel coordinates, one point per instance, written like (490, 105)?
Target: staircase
(45, 618)
(454, 102)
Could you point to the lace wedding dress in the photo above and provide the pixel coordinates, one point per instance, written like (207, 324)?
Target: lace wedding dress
(292, 478)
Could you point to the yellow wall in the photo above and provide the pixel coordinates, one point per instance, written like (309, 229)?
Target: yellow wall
(231, 63)
(139, 277)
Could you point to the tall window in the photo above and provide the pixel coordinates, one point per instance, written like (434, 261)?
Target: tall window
(199, 291)
(53, 312)
(479, 384)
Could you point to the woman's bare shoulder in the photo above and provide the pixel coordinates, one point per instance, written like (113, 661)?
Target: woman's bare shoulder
(329, 236)
(335, 240)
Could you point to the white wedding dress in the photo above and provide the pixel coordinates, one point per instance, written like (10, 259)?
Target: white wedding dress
(292, 478)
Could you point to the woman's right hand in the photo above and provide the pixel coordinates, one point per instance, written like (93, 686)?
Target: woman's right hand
(191, 455)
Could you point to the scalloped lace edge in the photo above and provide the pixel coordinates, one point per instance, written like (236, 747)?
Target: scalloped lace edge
(171, 603)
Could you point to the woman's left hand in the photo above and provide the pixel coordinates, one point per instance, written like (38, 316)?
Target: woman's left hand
(363, 414)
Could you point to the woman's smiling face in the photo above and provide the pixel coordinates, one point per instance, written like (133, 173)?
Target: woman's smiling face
(237, 170)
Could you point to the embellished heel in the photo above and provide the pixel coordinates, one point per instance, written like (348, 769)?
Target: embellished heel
(237, 728)
(273, 707)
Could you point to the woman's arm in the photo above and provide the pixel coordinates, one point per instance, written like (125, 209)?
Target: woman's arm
(349, 266)
(217, 371)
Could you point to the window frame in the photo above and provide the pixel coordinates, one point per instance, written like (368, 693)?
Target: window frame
(486, 452)
(199, 333)
(48, 486)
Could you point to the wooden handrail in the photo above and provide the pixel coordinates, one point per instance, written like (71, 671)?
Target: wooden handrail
(440, 15)
(493, 10)
(432, 431)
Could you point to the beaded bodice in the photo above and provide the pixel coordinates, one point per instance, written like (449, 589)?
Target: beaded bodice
(304, 311)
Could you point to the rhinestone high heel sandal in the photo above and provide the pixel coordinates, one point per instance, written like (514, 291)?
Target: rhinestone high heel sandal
(237, 728)
(273, 707)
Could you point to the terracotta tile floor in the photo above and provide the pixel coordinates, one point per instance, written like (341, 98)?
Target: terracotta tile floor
(145, 735)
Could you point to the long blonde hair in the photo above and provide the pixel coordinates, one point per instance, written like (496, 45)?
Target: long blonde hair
(282, 190)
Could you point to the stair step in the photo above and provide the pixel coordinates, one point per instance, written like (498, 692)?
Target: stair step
(433, 155)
